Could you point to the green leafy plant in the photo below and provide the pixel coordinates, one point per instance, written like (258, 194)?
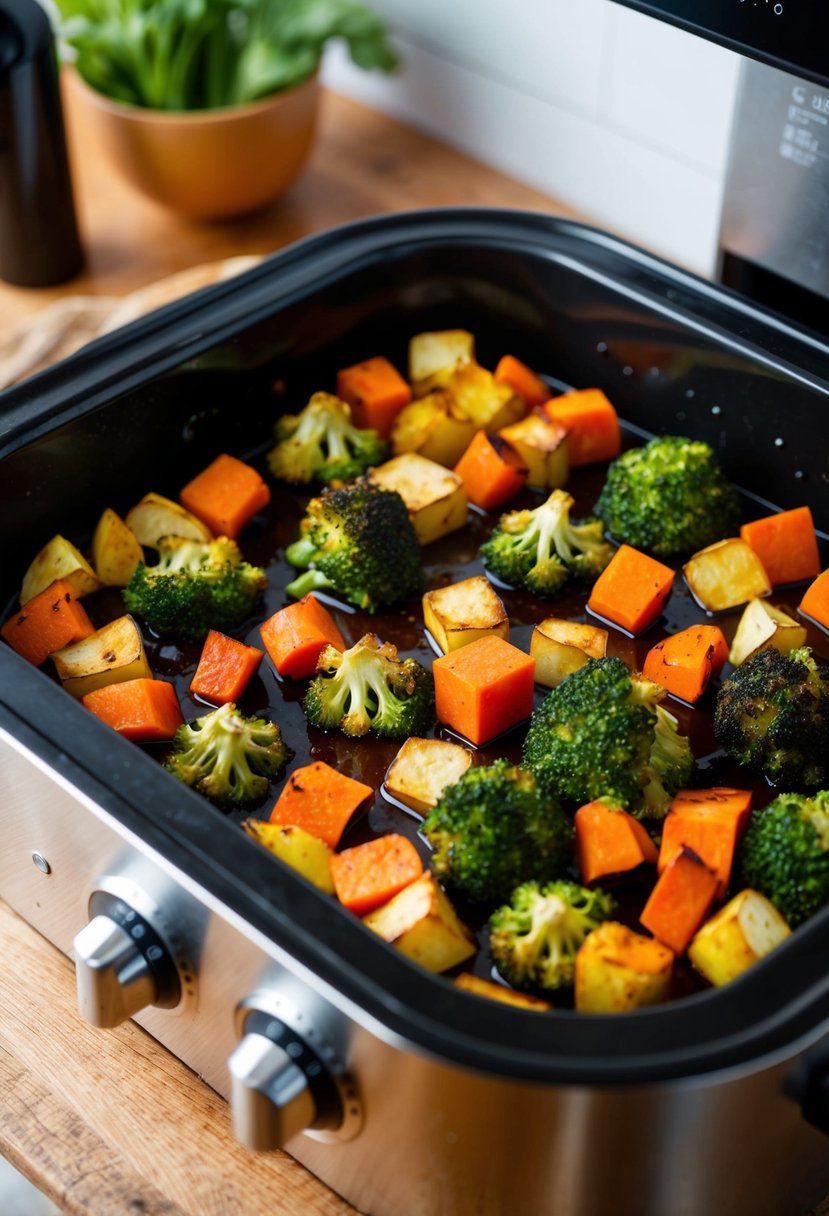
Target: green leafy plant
(201, 54)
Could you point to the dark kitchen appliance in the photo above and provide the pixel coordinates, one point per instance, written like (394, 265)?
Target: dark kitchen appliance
(419, 1098)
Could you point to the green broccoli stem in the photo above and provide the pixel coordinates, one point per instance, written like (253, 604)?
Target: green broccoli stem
(301, 553)
(311, 580)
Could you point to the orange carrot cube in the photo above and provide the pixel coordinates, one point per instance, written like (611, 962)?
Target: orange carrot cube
(146, 711)
(711, 823)
(225, 669)
(786, 545)
(376, 392)
(48, 621)
(526, 383)
(610, 841)
(492, 471)
(295, 635)
(680, 900)
(484, 689)
(632, 590)
(685, 663)
(370, 874)
(591, 422)
(226, 495)
(320, 800)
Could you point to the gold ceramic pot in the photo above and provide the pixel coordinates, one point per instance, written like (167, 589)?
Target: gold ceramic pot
(206, 164)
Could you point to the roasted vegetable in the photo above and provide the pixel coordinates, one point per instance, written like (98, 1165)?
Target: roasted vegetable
(228, 757)
(785, 854)
(322, 444)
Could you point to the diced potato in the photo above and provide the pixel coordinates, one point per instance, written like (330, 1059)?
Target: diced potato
(463, 612)
(726, 574)
(431, 354)
(59, 559)
(155, 516)
(562, 647)
(434, 496)
(115, 550)
(745, 930)
(434, 427)
(617, 970)
(543, 448)
(108, 656)
(421, 922)
(497, 992)
(490, 403)
(422, 770)
(306, 854)
(764, 627)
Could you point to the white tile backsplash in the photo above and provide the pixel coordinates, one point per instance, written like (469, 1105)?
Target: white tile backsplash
(619, 115)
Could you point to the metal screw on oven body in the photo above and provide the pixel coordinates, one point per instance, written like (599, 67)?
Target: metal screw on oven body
(41, 863)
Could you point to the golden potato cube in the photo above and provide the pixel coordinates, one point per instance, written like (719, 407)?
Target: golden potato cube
(497, 992)
(543, 448)
(490, 403)
(434, 496)
(306, 854)
(432, 356)
(617, 970)
(463, 612)
(434, 427)
(115, 550)
(726, 574)
(745, 930)
(562, 647)
(59, 559)
(422, 770)
(764, 627)
(156, 516)
(108, 656)
(421, 922)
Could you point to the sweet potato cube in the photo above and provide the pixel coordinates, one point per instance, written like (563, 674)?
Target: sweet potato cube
(726, 574)
(741, 933)
(617, 970)
(484, 688)
(422, 770)
(306, 854)
(145, 711)
(680, 900)
(422, 923)
(523, 379)
(294, 637)
(561, 647)
(376, 392)
(492, 471)
(435, 497)
(462, 612)
(815, 603)
(685, 662)
(591, 423)
(764, 627)
(368, 875)
(226, 495)
(492, 991)
(610, 841)
(319, 799)
(542, 446)
(225, 669)
(48, 621)
(786, 545)
(632, 590)
(711, 823)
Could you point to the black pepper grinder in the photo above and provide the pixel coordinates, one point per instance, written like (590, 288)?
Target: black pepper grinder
(39, 242)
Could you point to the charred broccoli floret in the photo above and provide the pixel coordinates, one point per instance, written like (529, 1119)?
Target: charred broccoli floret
(603, 733)
(785, 854)
(369, 688)
(196, 586)
(357, 540)
(492, 829)
(535, 937)
(669, 497)
(228, 757)
(322, 444)
(540, 549)
(772, 716)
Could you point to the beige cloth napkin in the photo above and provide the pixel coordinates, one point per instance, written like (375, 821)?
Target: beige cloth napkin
(69, 324)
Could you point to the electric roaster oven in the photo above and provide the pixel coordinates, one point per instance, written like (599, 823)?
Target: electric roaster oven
(405, 1094)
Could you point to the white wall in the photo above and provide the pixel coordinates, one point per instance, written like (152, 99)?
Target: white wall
(617, 114)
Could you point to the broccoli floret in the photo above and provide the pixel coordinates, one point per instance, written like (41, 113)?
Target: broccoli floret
(321, 443)
(492, 829)
(541, 549)
(228, 757)
(369, 688)
(785, 854)
(772, 716)
(195, 587)
(603, 733)
(535, 937)
(669, 497)
(357, 540)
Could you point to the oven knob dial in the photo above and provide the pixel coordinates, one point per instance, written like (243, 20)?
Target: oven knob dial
(122, 965)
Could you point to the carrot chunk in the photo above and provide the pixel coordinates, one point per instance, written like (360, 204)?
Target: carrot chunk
(146, 711)
(225, 669)
(591, 422)
(526, 383)
(48, 621)
(371, 874)
(815, 603)
(679, 902)
(610, 841)
(484, 689)
(786, 545)
(492, 471)
(632, 590)
(376, 392)
(226, 495)
(295, 635)
(320, 800)
(685, 663)
(711, 823)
